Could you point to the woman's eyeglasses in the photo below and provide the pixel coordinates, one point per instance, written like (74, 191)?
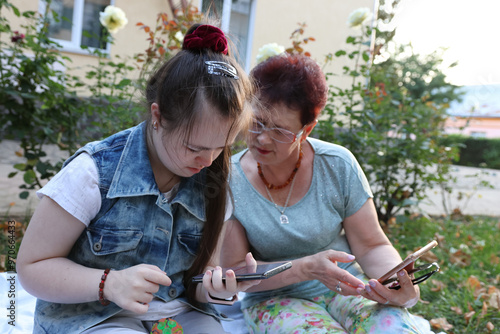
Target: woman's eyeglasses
(421, 273)
(278, 134)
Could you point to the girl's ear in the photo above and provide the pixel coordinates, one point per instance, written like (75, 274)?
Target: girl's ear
(155, 112)
(308, 130)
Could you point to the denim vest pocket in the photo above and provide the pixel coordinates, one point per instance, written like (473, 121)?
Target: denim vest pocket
(105, 241)
(190, 241)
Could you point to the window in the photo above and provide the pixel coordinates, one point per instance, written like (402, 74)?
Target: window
(75, 23)
(237, 18)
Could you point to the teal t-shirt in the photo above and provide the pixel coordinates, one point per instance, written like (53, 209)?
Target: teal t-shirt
(339, 188)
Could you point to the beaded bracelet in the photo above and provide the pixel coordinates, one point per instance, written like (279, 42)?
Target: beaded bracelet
(102, 300)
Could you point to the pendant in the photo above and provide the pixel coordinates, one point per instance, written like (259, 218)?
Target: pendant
(284, 219)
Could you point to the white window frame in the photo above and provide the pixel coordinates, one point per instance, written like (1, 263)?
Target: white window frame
(73, 46)
(226, 19)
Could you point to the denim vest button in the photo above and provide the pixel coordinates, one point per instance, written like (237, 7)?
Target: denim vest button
(97, 246)
(172, 292)
(164, 200)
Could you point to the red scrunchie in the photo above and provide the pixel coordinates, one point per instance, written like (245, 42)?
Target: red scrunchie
(206, 37)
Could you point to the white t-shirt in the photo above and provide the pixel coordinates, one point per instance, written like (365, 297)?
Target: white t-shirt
(76, 189)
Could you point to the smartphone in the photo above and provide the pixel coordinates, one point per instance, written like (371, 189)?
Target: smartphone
(263, 271)
(409, 259)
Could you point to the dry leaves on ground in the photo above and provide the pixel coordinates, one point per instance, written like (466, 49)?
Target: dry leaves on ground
(441, 323)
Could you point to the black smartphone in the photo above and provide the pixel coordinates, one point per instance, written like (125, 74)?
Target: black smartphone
(263, 271)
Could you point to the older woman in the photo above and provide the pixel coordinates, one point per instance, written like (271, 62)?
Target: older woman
(308, 201)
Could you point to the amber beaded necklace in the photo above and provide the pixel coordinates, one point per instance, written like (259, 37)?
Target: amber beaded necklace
(272, 186)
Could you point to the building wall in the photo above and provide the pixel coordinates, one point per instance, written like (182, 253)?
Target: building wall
(474, 126)
(274, 21)
(325, 20)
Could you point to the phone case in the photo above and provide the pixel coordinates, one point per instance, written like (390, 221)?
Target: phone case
(409, 259)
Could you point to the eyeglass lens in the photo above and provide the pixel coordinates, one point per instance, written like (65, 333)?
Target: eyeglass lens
(278, 134)
(421, 273)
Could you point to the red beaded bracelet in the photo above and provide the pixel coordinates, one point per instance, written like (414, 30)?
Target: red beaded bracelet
(102, 300)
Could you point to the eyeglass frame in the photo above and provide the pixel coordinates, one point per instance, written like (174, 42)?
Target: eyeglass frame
(264, 128)
(417, 280)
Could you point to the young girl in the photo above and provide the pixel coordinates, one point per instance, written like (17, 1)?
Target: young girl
(124, 226)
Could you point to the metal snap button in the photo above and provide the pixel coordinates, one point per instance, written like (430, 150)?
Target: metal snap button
(172, 292)
(97, 246)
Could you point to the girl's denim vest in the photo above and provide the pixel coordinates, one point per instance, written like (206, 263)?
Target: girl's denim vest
(136, 224)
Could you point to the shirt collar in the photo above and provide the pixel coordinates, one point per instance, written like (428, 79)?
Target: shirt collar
(134, 176)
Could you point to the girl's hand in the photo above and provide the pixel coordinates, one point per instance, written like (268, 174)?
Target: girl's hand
(323, 267)
(133, 288)
(216, 287)
(406, 296)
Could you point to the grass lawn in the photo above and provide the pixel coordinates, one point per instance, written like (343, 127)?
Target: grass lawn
(464, 297)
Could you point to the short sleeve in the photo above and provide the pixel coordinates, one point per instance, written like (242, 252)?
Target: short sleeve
(76, 189)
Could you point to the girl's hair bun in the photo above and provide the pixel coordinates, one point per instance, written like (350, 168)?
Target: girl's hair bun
(206, 37)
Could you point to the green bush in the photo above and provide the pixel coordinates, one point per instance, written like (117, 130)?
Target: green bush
(41, 104)
(475, 152)
(391, 119)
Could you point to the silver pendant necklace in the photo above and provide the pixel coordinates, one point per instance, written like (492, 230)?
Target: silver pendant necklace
(283, 217)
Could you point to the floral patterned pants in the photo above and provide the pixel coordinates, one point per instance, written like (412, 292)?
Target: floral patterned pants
(329, 313)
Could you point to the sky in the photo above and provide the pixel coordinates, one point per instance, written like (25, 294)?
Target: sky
(469, 29)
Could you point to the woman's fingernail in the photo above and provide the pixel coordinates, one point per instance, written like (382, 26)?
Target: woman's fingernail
(401, 273)
(351, 257)
(360, 290)
(361, 286)
(372, 283)
(367, 288)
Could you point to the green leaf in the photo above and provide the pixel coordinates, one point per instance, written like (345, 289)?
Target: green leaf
(340, 53)
(29, 177)
(24, 195)
(20, 167)
(11, 175)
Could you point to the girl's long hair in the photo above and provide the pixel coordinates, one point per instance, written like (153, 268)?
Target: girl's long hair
(179, 87)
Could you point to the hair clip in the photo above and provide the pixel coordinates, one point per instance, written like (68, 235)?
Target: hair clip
(221, 68)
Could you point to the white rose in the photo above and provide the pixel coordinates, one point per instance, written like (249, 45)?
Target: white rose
(269, 50)
(113, 19)
(179, 36)
(358, 17)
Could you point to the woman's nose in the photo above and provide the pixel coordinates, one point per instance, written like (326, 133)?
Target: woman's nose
(264, 138)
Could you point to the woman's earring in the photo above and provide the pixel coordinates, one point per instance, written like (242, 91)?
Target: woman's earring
(155, 125)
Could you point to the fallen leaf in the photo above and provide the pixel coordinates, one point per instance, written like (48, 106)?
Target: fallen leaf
(484, 309)
(494, 300)
(439, 238)
(429, 257)
(489, 326)
(460, 258)
(457, 310)
(438, 285)
(494, 259)
(468, 316)
(441, 323)
(473, 282)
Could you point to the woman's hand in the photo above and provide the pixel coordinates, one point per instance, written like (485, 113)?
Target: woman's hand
(217, 288)
(133, 288)
(323, 267)
(406, 296)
